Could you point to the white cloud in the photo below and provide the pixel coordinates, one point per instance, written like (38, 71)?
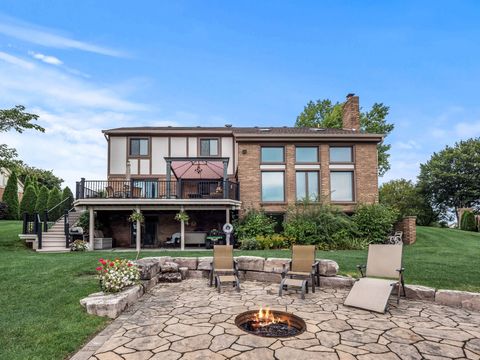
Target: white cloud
(16, 61)
(467, 130)
(49, 38)
(52, 60)
(406, 145)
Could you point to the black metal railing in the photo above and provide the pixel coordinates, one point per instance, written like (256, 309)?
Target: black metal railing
(32, 224)
(157, 189)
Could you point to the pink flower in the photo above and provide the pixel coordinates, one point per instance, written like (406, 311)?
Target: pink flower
(99, 268)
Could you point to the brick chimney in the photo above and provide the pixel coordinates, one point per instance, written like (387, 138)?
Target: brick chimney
(351, 113)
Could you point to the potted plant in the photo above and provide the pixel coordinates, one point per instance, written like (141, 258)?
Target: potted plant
(136, 216)
(182, 216)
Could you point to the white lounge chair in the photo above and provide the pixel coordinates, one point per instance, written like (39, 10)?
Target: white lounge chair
(383, 271)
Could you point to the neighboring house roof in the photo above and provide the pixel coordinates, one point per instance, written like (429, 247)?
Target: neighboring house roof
(251, 132)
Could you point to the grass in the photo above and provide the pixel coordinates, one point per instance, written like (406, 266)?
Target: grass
(39, 299)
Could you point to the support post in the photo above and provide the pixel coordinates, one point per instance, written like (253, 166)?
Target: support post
(227, 215)
(138, 238)
(25, 223)
(182, 232)
(169, 177)
(225, 182)
(91, 228)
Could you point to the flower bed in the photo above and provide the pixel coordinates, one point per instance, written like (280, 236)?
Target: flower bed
(115, 275)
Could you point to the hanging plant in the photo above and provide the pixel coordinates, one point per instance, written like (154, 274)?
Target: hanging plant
(136, 216)
(182, 216)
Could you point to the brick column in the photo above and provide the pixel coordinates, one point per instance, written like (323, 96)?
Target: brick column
(409, 228)
(290, 174)
(324, 173)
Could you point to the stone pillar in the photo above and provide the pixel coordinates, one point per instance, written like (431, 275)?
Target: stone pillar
(91, 228)
(138, 238)
(409, 228)
(182, 232)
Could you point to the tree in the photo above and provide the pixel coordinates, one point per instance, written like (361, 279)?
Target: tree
(42, 199)
(19, 120)
(29, 200)
(10, 197)
(408, 199)
(451, 178)
(43, 177)
(54, 198)
(468, 221)
(67, 194)
(325, 114)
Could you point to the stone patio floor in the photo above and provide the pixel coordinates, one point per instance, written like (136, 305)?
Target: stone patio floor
(190, 320)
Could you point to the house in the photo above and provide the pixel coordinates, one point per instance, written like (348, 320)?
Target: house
(4, 176)
(214, 173)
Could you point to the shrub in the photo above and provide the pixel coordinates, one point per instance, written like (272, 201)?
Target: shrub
(254, 223)
(84, 222)
(116, 275)
(249, 244)
(318, 224)
(29, 200)
(10, 197)
(274, 241)
(42, 200)
(374, 222)
(67, 195)
(3, 210)
(54, 199)
(79, 245)
(467, 222)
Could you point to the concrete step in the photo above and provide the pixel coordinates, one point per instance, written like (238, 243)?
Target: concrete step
(51, 243)
(54, 250)
(53, 235)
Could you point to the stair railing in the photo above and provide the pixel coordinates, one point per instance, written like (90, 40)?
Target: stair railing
(37, 226)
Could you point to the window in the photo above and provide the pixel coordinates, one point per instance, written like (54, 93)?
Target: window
(341, 154)
(209, 147)
(138, 147)
(272, 155)
(144, 188)
(273, 183)
(307, 185)
(306, 154)
(341, 185)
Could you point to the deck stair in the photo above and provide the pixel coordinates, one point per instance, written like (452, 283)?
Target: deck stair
(53, 240)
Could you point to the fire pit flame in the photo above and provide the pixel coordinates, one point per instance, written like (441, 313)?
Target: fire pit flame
(265, 317)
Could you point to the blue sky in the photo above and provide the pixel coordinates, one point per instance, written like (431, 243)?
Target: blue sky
(89, 65)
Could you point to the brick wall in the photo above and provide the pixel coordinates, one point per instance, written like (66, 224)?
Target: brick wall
(409, 228)
(351, 113)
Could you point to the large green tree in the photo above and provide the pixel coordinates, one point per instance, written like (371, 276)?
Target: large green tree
(326, 114)
(54, 199)
(67, 196)
(42, 199)
(10, 197)
(29, 200)
(19, 120)
(451, 177)
(41, 176)
(409, 200)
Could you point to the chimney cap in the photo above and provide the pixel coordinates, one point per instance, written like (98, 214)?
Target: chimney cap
(349, 95)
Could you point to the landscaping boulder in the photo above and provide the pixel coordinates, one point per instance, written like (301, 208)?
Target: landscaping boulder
(254, 263)
(336, 281)
(188, 262)
(169, 277)
(111, 305)
(148, 268)
(169, 267)
(183, 272)
(204, 263)
(197, 274)
(465, 299)
(275, 265)
(417, 292)
(160, 259)
(148, 284)
(270, 277)
(327, 267)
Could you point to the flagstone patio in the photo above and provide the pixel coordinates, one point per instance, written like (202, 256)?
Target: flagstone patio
(190, 320)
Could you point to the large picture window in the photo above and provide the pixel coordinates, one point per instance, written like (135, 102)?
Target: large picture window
(341, 154)
(208, 147)
(138, 147)
(272, 155)
(307, 185)
(305, 154)
(341, 186)
(273, 186)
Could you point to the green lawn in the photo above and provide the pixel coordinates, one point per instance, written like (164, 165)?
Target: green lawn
(41, 318)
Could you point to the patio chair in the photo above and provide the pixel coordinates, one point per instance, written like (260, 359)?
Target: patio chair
(224, 267)
(302, 266)
(383, 271)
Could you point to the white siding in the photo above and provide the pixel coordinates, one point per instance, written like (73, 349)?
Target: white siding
(227, 151)
(144, 166)
(159, 152)
(134, 166)
(178, 146)
(192, 146)
(118, 155)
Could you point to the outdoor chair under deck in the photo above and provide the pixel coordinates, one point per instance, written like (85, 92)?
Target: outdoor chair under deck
(302, 269)
(224, 267)
(383, 271)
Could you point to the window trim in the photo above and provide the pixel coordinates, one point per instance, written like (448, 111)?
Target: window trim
(306, 185)
(354, 183)
(307, 162)
(129, 150)
(273, 162)
(219, 148)
(352, 152)
(284, 187)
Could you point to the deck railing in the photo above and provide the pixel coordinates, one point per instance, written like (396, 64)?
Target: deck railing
(157, 189)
